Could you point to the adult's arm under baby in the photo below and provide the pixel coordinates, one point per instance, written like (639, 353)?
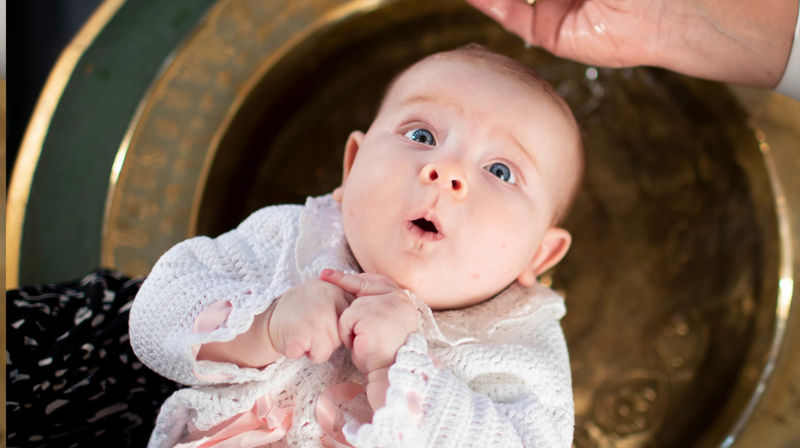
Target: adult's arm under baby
(738, 41)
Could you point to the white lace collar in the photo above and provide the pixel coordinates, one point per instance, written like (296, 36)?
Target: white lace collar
(478, 322)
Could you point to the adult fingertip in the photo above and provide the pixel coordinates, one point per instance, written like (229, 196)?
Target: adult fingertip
(327, 272)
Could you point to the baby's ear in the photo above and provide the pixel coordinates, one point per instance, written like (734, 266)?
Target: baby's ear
(350, 150)
(554, 246)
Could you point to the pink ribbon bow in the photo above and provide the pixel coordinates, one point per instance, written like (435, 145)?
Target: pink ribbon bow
(265, 423)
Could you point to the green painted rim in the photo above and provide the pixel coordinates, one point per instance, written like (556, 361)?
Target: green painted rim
(62, 229)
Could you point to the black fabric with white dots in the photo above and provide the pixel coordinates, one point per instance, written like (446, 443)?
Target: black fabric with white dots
(72, 378)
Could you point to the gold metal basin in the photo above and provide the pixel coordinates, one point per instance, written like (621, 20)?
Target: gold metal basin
(681, 324)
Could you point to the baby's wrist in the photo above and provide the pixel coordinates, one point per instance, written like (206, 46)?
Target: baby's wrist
(379, 374)
(267, 322)
(253, 348)
(377, 384)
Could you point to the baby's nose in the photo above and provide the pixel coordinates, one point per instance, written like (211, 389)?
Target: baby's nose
(447, 176)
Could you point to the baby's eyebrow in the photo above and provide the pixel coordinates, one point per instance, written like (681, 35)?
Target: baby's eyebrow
(425, 98)
(521, 148)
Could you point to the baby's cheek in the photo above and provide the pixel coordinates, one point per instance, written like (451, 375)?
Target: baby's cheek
(508, 249)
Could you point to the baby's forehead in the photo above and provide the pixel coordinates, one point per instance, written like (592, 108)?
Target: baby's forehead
(471, 76)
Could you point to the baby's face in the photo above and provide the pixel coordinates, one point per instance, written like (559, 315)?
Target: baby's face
(453, 190)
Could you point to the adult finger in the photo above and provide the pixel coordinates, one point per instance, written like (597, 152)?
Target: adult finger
(359, 284)
(514, 15)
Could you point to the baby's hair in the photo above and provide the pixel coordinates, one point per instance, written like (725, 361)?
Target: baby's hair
(527, 75)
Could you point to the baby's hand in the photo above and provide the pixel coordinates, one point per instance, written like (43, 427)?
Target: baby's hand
(305, 320)
(377, 322)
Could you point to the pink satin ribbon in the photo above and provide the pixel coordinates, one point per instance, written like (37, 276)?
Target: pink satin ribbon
(212, 317)
(330, 417)
(265, 423)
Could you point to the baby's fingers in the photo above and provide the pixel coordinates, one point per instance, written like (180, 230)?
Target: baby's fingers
(347, 323)
(322, 346)
(349, 331)
(296, 346)
(359, 284)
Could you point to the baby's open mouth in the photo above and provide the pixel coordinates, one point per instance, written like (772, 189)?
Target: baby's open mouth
(425, 225)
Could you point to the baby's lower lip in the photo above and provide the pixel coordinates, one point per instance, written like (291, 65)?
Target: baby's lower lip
(422, 234)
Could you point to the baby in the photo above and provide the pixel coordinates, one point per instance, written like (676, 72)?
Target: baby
(452, 197)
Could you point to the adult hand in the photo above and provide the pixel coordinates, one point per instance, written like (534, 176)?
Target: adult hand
(374, 326)
(737, 41)
(306, 319)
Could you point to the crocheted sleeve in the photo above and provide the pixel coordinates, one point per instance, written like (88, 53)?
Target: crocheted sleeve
(246, 269)
(512, 391)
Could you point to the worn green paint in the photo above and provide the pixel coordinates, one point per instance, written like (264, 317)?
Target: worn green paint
(61, 236)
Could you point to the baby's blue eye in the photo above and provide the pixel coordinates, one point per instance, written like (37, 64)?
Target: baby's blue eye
(502, 172)
(421, 135)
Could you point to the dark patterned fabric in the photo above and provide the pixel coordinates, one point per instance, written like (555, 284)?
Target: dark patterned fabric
(72, 378)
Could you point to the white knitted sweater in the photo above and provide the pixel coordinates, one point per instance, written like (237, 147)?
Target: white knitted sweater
(495, 374)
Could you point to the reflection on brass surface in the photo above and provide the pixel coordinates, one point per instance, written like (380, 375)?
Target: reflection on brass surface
(775, 417)
(678, 264)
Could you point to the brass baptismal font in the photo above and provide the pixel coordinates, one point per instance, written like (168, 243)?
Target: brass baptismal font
(679, 284)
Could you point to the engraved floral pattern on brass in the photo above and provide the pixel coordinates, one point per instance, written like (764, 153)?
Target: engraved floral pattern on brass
(674, 276)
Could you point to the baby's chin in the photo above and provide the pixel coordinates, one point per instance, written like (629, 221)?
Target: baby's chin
(446, 297)
(452, 303)
(429, 287)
